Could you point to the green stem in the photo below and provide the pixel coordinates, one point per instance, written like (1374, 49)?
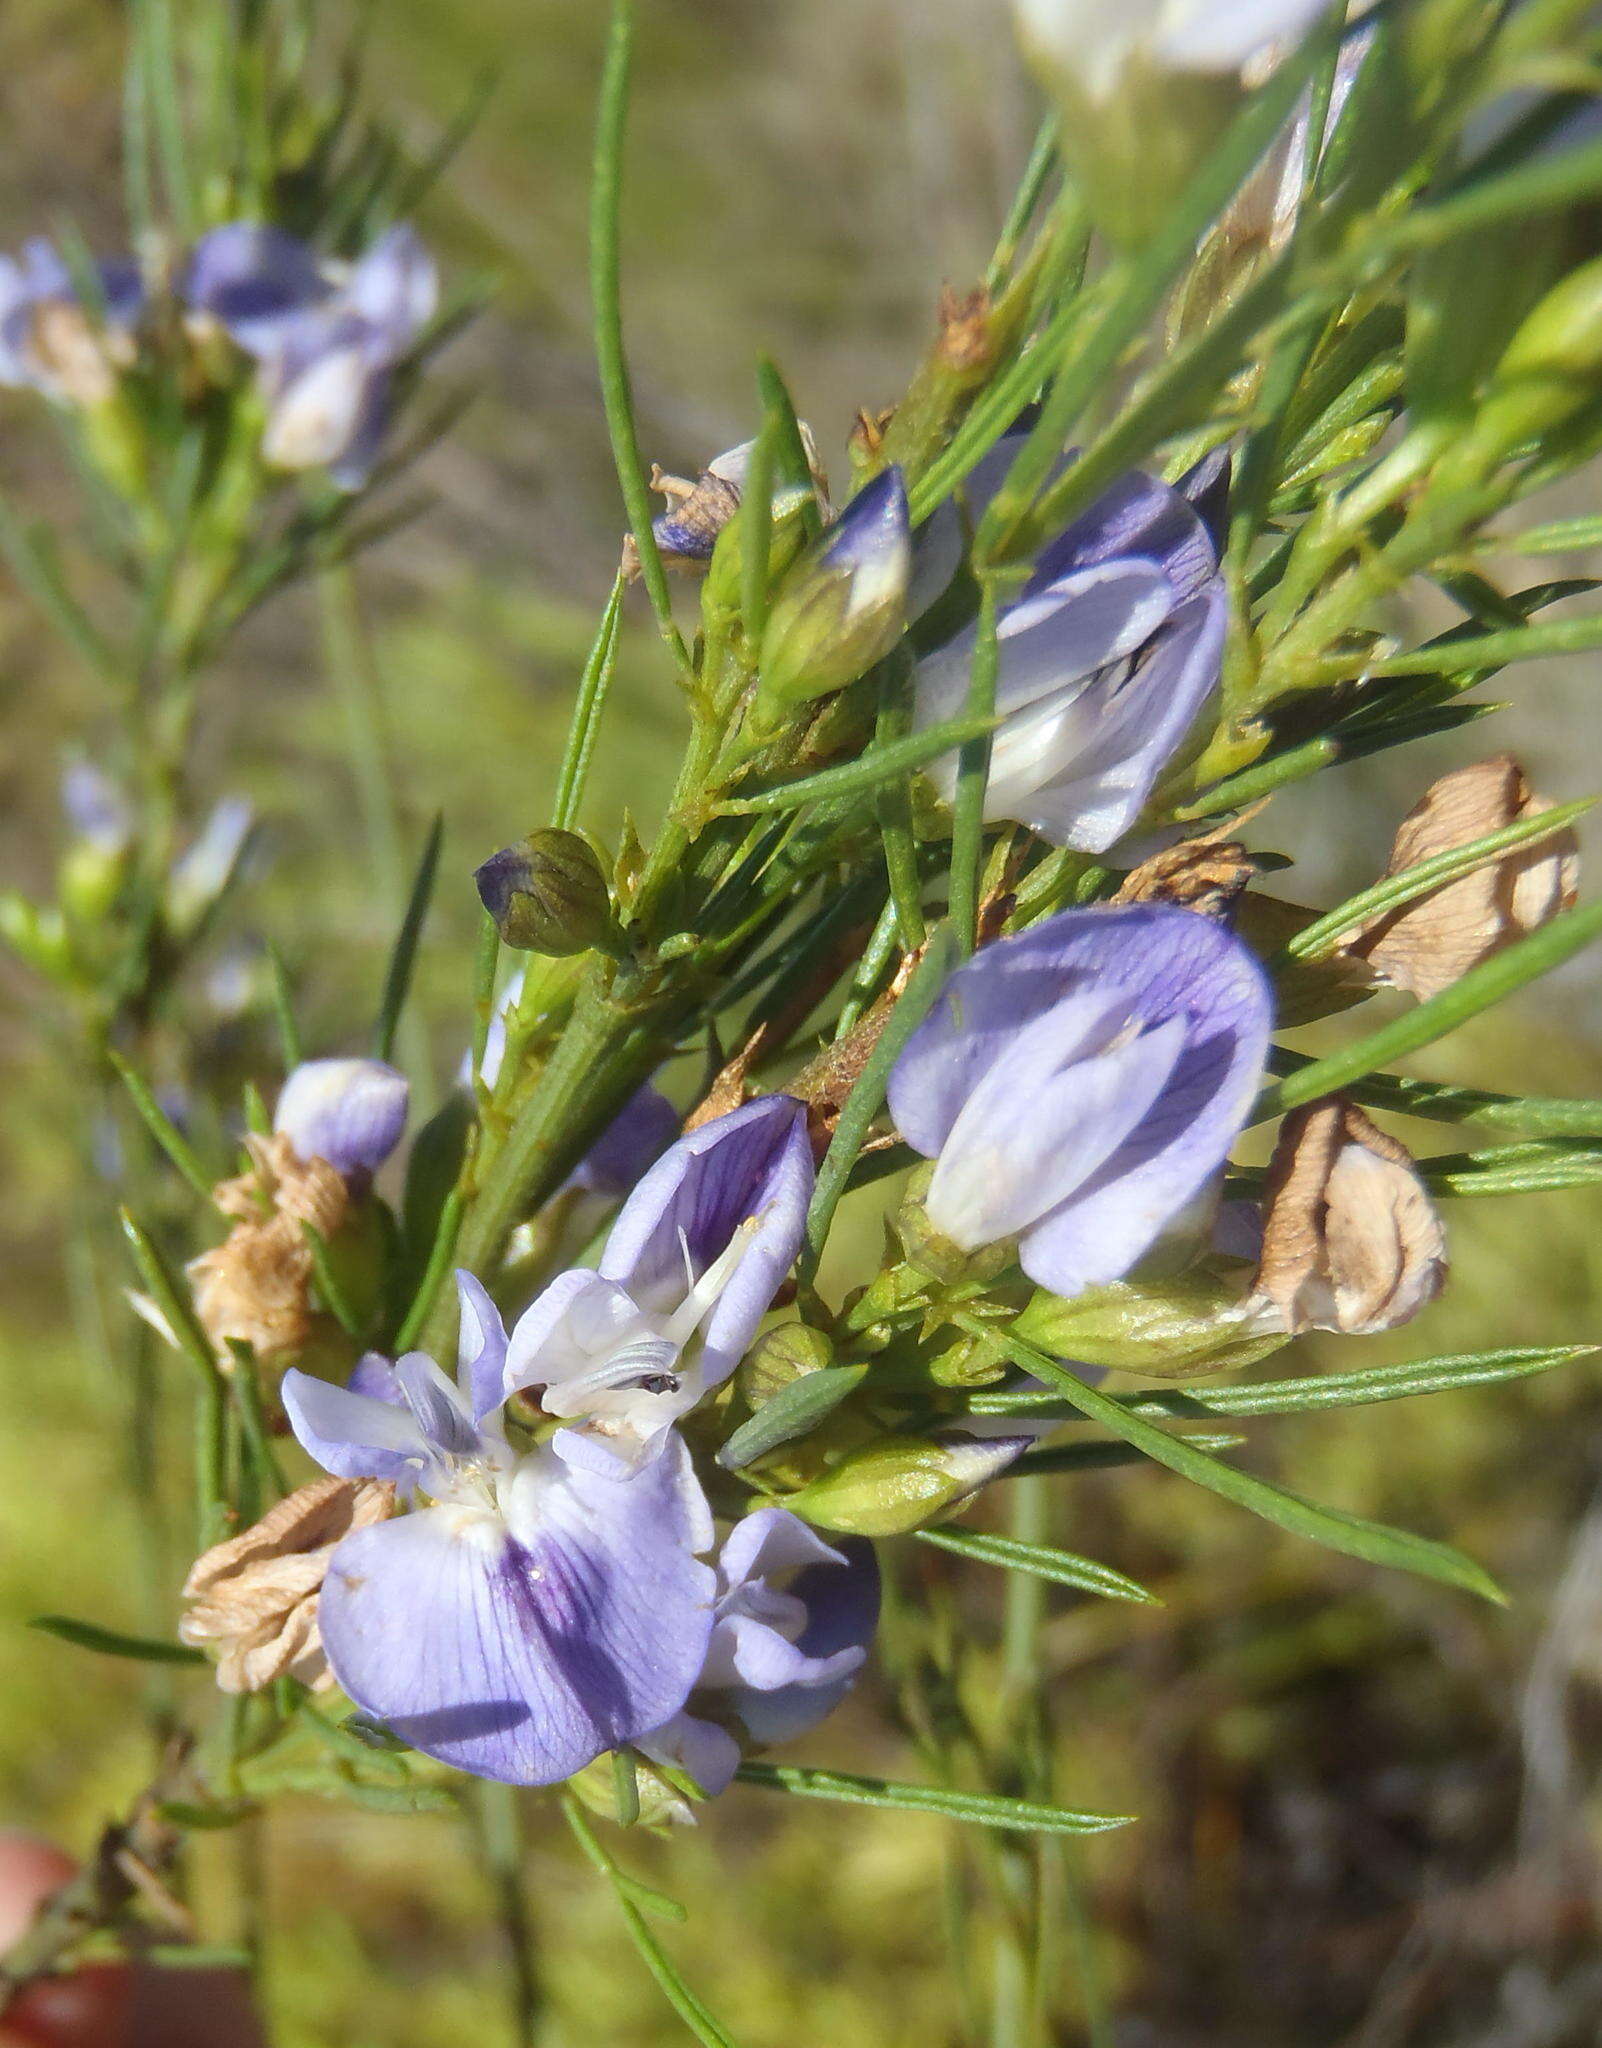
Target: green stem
(973, 778)
(498, 1828)
(606, 293)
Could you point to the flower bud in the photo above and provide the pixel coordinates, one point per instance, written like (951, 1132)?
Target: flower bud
(1550, 370)
(36, 933)
(1428, 944)
(1351, 1239)
(1169, 1329)
(547, 894)
(844, 604)
(779, 1358)
(1146, 88)
(904, 1482)
(349, 1112)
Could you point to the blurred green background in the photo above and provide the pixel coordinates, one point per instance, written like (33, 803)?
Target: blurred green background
(1369, 1810)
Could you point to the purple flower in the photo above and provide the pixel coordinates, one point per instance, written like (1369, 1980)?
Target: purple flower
(251, 278)
(1106, 656)
(691, 1267)
(1079, 1084)
(97, 808)
(529, 1612)
(792, 1621)
(207, 865)
(327, 337)
(349, 1112)
(48, 340)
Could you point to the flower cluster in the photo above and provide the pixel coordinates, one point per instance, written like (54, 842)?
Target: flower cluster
(326, 337)
(548, 1593)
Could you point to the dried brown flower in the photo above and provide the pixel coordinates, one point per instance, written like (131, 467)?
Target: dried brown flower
(254, 1287)
(1208, 875)
(1351, 1239)
(255, 1596)
(1428, 944)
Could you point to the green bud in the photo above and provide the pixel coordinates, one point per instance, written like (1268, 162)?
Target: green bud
(930, 1251)
(1169, 1329)
(547, 894)
(903, 1483)
(36, 934)
(1550, 371)
(90, 880)
(843, 605)
(778, 1359)
(662, 1803)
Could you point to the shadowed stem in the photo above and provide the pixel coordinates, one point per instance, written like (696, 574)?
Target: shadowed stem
(498, 1829)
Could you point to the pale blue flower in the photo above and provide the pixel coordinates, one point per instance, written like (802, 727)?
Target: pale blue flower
(792, 1621)
(1105, 658)
(528, 1612)
(690, 1268)
(1080, 1084)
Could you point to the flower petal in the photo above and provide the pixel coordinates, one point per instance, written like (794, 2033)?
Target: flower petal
(1112, 739)
(251, 278)
(481, 1348)
(349, 1112)
(750, 1168)
(355, 1435)
(520, 1649)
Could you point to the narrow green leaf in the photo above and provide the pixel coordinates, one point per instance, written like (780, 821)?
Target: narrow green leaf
(793, 1411)
(1484, 651)
(862, 1105)
(856, 778)
(651, 1952)
(973, 775)
(1528, 1169)
(171, 1300)
(289, 1041)
(183, 1955)
(1559, 537)
(1480, 989)
(1539, 186)
(981, 1809)
(791, 466)
(1315, 940)
(335, 1299)
(1537, 1116)
(1332, 1527)
(162, 1128)
(756, 533)
(1062, 1567)
(110, 1642)
(594, 686)
(439, 1264)
(626, 1787)
(1322, 1390)
(606, 191)
(398, 980)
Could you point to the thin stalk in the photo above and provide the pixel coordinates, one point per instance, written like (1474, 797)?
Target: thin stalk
(594, 686)
(498, 1831)
(973, 779)
(606, 193)
(1030, 187)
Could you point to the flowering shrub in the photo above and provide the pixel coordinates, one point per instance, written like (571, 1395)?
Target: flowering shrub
(944, 906)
